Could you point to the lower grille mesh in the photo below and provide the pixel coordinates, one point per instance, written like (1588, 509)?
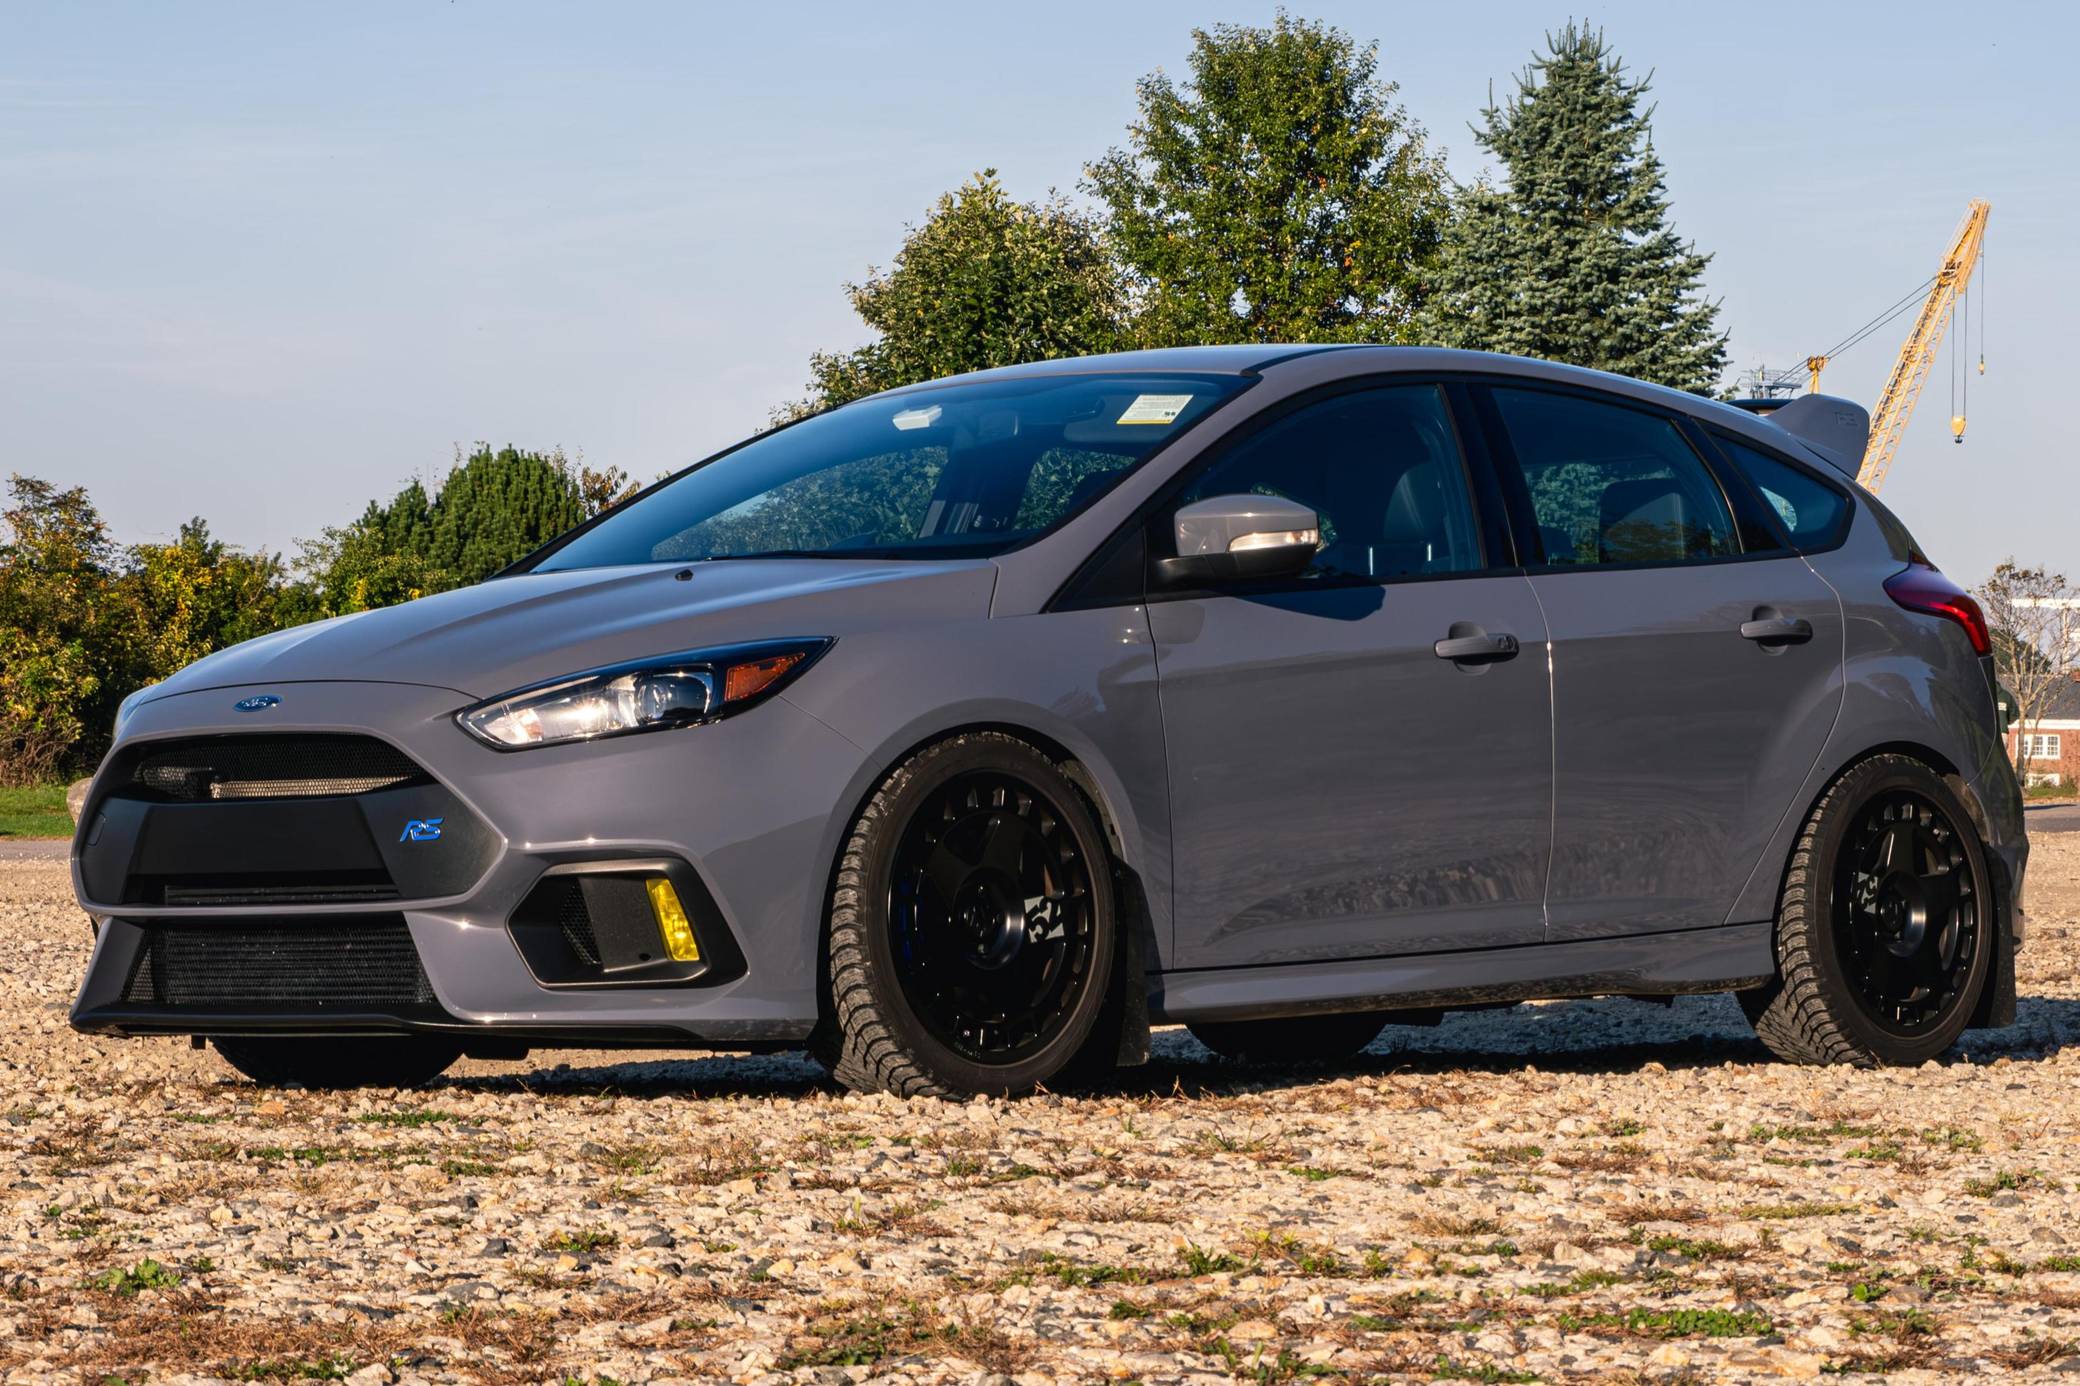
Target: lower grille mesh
(575, 919)
(363, 964)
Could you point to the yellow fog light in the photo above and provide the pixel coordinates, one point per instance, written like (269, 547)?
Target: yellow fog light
(672, 924)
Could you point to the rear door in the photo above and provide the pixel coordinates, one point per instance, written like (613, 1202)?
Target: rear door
(1696, 659)
(1342, 786)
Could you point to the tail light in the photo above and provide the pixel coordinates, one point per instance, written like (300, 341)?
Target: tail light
(1920, 587)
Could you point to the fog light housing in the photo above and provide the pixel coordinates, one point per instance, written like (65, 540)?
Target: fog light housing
(672, 924)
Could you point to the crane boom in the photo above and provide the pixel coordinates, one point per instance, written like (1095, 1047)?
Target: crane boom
(1918, 354)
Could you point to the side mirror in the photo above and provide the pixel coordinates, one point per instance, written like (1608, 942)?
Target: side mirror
(1236, 538)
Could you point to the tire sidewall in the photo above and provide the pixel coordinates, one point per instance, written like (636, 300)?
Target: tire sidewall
(923, 775)
(1844, 1003)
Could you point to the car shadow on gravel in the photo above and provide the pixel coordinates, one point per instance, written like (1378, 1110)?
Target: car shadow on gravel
(1603, 1036)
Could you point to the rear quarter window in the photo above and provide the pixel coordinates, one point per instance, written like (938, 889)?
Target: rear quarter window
(1813, 513)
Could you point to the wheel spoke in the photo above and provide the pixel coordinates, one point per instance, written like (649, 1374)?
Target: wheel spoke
(944, 872)
(1003, 844)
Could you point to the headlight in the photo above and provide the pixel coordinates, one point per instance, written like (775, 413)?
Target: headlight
(679, 690)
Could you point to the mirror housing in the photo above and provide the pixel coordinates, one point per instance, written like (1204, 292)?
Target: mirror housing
(1241, 537)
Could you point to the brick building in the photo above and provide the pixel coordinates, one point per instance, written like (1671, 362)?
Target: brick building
(2054, 738)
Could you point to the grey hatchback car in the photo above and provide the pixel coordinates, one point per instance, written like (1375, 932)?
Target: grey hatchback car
(961, 734)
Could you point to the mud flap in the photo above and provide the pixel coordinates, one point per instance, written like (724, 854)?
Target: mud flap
(1996, 1007)
(1119, 1039)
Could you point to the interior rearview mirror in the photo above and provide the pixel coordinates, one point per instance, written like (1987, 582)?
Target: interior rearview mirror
(1231, 538)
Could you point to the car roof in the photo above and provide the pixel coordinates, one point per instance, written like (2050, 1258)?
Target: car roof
(1330, 360)
(1239, 359)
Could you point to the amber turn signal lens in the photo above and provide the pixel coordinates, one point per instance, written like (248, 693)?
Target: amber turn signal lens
(672, 924)
(753, 677)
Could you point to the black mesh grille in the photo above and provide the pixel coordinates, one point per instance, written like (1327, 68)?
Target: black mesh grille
(352, 965)
(575, 920)
(273, 767)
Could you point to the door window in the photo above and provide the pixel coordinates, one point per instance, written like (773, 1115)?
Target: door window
(1382, 469)
(1613, 485)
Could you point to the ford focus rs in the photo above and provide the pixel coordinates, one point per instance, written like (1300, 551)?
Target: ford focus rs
(960, 734)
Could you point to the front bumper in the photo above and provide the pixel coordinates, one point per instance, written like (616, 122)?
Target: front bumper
(738, 812)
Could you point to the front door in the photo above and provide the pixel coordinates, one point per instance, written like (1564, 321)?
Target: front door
(1696, 665)
(1360, 758)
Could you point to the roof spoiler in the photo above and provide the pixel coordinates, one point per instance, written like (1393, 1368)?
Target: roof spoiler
(1836, 430)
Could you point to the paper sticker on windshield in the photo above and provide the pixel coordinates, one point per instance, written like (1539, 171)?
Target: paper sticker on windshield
(1155, 409)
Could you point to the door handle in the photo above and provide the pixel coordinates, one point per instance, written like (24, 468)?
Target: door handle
(1477, 649)
(1778, 630)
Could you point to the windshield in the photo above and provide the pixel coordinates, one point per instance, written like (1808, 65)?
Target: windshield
(961, 470)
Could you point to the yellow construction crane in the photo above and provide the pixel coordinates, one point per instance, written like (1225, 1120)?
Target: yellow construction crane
(1918, 353)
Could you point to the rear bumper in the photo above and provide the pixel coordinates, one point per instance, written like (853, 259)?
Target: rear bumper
(739, 811)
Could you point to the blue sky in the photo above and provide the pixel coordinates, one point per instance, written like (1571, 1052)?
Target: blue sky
(262, 263)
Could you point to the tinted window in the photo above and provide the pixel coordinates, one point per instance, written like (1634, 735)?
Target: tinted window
(1811, 512)
(972, 468)
(1381, 467)
(1613, 485)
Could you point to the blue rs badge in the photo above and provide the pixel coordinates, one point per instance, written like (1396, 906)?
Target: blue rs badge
(422, 830)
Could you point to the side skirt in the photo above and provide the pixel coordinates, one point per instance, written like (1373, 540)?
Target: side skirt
(1724, 958)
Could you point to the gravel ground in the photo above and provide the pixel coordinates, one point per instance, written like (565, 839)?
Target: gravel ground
(1586, 1189)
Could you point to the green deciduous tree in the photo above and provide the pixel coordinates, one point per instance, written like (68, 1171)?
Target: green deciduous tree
(1572, 258)
(64, 642)
(983, 281)
(198, 595)
(1280, 195)
(493, 508)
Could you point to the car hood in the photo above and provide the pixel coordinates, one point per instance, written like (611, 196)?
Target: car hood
(501, 634)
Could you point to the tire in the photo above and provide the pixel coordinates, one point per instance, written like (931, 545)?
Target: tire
(1294, 1039)
(403, 1062)
(1886, 926)
(973, 925)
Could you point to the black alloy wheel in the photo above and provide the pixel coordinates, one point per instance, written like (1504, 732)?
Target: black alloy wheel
(990, 917)
(1886, 927)
(972, 927)
(1906, 912)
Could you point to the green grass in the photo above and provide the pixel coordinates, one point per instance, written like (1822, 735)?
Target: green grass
(38, 811)
(1672, 1323)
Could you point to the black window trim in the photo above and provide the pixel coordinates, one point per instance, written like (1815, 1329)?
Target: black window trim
(1743, 506)
(1839, 535)
(1483, 496)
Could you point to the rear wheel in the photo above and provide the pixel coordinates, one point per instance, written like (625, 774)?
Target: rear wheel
(973, 925)
(1885, 927)
(1291, 1039)
(401, 1062)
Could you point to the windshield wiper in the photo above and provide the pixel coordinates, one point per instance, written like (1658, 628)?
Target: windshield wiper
(793, 553)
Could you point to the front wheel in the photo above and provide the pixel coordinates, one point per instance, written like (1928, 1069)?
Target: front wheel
(1885, 926)
(973, 925)
(375, 1062)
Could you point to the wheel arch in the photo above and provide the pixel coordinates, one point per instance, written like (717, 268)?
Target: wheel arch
(1765, 884)
(1997, 1005)
(1092, 773)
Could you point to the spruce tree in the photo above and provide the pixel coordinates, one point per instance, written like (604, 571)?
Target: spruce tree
(1572, 258)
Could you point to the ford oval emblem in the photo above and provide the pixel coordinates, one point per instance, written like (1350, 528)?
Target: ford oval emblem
(258, 703)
